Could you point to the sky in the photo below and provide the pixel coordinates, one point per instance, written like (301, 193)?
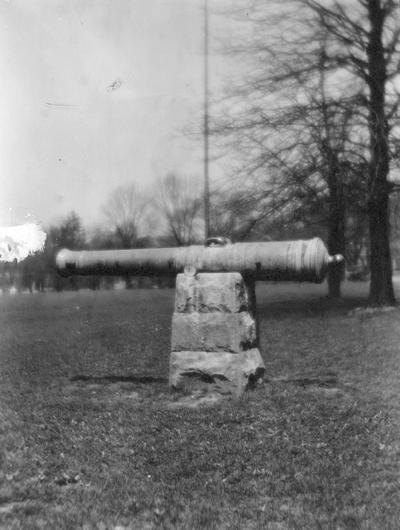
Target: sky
(95, 94)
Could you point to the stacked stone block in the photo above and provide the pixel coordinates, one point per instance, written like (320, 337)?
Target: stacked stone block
(214, 334)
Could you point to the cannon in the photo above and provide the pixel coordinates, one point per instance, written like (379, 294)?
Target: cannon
(277, 261)
(214, 340)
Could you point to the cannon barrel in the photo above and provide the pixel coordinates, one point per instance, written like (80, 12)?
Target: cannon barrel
(282, 260)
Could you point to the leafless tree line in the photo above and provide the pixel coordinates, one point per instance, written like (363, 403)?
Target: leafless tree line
(168, 216)
(172, 212)
(311, 123)
(314, 118)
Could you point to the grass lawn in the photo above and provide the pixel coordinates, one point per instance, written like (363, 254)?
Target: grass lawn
(88, 438)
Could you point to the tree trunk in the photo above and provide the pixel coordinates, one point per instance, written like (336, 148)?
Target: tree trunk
(381, 287)
(336, 213)
(336, 241)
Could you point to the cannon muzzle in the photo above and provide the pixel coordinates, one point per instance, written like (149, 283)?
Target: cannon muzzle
(277, 261)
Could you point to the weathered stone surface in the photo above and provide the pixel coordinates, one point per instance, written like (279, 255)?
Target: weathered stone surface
(230, 332)
(211, 292)
(222, 372)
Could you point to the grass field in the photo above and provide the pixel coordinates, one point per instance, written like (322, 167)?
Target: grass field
(89, 439)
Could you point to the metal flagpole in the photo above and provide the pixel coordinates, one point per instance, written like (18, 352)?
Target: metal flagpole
(206, 130)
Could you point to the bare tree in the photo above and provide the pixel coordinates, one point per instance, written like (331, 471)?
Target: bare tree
(365, 38)
(330, 63)
(69, 234)
(233, 214)
(179, 201)
(126, 212)
(297, 147)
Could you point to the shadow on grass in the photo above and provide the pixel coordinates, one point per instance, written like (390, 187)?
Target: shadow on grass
(310, 308)
(327, 380)
(144, 379)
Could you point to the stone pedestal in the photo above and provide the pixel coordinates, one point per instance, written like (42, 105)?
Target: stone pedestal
(214, 334)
